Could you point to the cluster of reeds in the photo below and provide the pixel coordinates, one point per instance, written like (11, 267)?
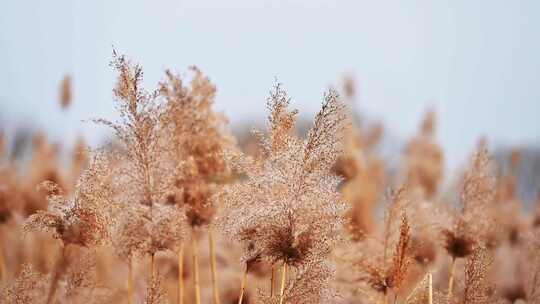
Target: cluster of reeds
(302, 218)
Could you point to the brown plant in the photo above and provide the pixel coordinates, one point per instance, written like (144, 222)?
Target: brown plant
(287, 210)
(476, 285)
(66, 94)
(82, 220)
(424, 159)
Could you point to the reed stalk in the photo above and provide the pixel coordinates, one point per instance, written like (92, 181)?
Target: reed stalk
(283, 278)
(451, 277)
(243, 285)
(196, 269)
(272, 280)
(152, 267)
(58, 271)
(430, 288)
(3, 272)
(130, 281)
(181, 274)
(215, 286)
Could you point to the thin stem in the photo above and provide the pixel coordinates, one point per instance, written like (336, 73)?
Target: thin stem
(430, 288)
(451, 278)
(196, 269)
(3, 276)
(418, 286)
(282, 289)
(181, 274)
(58, 271)
(152, 267)
(130, 281)
(243, 285)
(215, 287)
(272, 280)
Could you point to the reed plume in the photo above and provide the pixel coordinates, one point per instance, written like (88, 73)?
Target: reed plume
(424, 159)
(287, 211)
(141, 173)
(66, 92)
(476, 288)
(83, 219)
(381, 274)
(80, 221)
(473, 223)
(198, 137)
(364, 176)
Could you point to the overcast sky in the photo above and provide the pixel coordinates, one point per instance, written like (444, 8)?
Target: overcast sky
(476, 62)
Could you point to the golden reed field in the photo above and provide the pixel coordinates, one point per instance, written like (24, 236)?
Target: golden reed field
(176, 209)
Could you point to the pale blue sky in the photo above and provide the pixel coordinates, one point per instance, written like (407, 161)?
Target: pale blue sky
(476, 62)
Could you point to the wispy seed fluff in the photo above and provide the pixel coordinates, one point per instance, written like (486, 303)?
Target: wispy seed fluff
(287, 210)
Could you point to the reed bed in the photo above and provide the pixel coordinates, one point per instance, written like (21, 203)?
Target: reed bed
(177, 209)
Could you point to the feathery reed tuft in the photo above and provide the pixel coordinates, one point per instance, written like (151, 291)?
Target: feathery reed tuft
(287, 210)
